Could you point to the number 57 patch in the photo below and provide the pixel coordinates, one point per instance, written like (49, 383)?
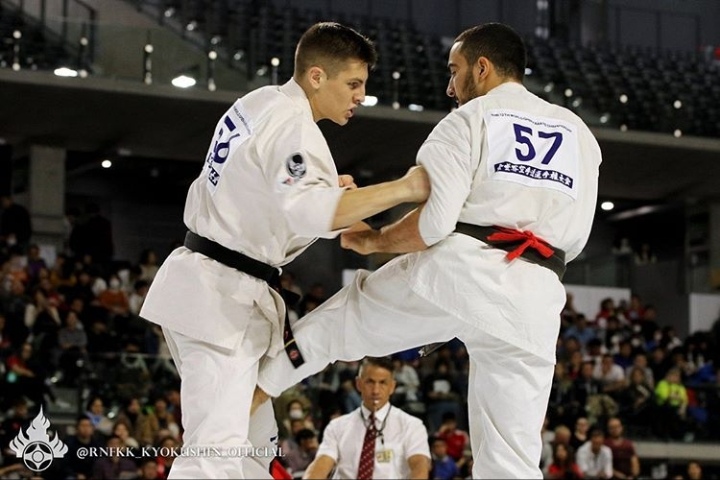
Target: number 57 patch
(532, 150)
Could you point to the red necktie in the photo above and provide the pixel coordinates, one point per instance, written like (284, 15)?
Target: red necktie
(367, 455)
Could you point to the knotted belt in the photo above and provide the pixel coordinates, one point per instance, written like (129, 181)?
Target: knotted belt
(517, 244)
(254, 268)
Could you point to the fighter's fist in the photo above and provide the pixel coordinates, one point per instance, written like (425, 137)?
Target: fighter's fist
(347, 181)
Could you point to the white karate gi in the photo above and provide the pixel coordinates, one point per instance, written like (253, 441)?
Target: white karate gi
(509, 159)
(268, 188)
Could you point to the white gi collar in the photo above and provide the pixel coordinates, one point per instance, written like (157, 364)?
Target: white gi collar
(507, 87)
(293, 90)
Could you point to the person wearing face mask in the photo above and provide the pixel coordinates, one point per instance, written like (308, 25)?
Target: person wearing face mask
(114, 299)
(268, 188)
(513, 192)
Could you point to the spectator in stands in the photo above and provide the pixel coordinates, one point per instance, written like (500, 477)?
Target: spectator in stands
(25, 376)
(114, 299)
(580, 433)
(670, 340)
(694, 471)
(595, 458)
(672, 401)
(14, 303)
(562, 435)
(96, 413)
(137, 297)
(72, 342)
(149, 470)
(659, 362)
(168, 446)
(585, 388)
(161, 418)
(10, 428)
(298, 460)
(114, 466)
(607, 310)
(121, 429)
(441, 394)
(610, 375)
(594, 351)
(625, 461)
(443, 465)
(581, 331)
(15, 225)
(408, 383)
(139, 423)
(148, 265)
(62, 276)
(101, 342)
(574, 365)
(456, 439)
(563, 465)
(35, 264)
(83, 288)
(624, 357)
(640, 360)
(560, 405)
(77, 465)
(636, 310)
(636, 400)
(296, 410)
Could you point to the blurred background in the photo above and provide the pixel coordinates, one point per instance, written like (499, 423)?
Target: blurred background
(107, 108)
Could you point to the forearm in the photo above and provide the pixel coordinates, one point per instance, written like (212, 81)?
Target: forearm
(419, 467)
(402, 236)
(359, 204)
(321, 467)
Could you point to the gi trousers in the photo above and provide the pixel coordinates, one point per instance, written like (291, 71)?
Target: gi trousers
(216, 392)
(379, 314)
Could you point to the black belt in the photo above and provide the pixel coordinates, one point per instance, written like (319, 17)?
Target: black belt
(556, 262)
(257, 269)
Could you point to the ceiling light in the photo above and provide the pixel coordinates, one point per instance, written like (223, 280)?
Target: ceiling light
(607, 206)
(183, 81)
(370, 101)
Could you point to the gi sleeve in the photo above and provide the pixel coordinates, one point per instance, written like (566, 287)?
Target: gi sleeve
(446, 155)
(330, 445)
(416, 439)
(304, 179)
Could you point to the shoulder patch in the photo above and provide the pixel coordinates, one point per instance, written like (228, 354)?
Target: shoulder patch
(295, 166)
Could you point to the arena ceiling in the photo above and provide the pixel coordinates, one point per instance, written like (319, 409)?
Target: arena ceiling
(103, 117)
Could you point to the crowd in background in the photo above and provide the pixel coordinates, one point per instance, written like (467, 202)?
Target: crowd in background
(73, 324)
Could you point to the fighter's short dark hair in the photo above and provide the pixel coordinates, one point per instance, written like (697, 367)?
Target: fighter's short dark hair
(498, 43)
(328, 45)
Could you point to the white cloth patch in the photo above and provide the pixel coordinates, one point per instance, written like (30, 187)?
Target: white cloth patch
(532, 150)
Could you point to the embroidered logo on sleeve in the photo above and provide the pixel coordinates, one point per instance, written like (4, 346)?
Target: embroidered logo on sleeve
(296, 166)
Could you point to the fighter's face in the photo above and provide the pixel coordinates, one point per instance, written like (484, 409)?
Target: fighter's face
(462, 85)
(338, 96)
(375, 384)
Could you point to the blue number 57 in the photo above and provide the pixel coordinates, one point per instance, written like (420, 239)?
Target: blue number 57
(523, 136)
